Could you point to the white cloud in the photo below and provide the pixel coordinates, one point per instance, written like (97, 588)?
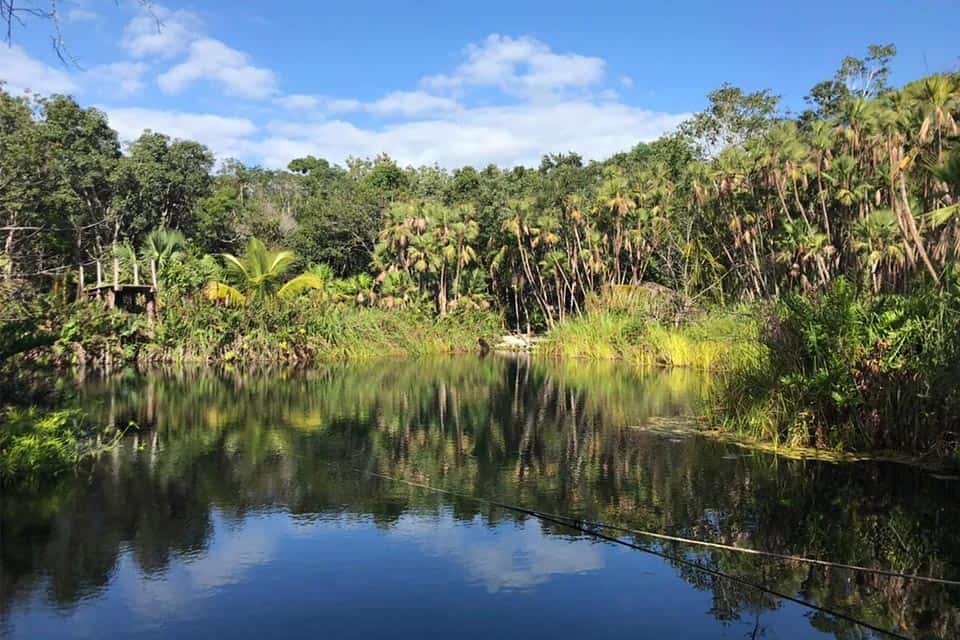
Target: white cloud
(412, 103)
(213, 60)
(504, 135)
(345, 105)
(79, 14)
(226, 136)
(299, 102)
(521, 66)
(406, 104)
(161, 32)
(537, 101)
(555, 102)
(124, 78)
(22, 73)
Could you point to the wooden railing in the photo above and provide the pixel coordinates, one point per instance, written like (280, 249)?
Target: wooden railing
(117, 282)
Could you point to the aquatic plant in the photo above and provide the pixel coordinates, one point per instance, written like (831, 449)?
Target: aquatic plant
(36, 444)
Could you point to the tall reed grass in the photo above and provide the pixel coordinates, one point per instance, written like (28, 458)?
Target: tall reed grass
(715, 341)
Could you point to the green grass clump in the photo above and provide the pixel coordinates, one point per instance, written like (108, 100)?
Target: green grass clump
(595, 336)
(714, 341)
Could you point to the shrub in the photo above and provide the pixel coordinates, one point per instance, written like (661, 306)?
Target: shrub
(844, 370)
(308, 329)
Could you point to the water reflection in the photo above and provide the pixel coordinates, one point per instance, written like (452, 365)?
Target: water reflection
(518, 558)
(231, 471)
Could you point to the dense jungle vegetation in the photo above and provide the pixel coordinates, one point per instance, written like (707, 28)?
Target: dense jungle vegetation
(811, 256)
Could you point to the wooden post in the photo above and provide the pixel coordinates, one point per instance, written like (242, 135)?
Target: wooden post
(152, 302)
(80, 287)
(116, 273)
(136, 273)
(99, 274)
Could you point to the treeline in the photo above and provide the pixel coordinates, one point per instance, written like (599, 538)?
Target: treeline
(742, 202)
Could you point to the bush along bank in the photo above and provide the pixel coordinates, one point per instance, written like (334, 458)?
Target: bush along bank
(193, 329)
(850, 372)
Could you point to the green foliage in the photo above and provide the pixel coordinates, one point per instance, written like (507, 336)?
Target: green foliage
(158, 182)
(312, 329)
(25, 321)
(92, 333)
(258, 274)
(732, 117)
(843, 370)
(715, 341)
(36, 444)
(743, 204)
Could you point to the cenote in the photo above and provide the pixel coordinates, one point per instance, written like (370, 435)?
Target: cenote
(244, 505)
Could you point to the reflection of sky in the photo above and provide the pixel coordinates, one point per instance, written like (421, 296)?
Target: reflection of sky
(233, 550)
(422, 575)
(515, 557)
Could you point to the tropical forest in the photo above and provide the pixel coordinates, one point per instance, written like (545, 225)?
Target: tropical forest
(723, 363)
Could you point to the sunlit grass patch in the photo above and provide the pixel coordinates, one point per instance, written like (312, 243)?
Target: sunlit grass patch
(713, 342)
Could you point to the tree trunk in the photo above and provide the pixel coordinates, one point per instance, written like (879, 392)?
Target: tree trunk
(442, 294)
(8, 256)
(914, 232)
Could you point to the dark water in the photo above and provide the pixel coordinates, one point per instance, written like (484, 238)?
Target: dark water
(237, 510)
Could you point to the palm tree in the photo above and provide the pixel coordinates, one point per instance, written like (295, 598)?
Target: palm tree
(616, 197)
(936, 97)
(163, 246)
(877, 240)
(821, 142)
(257, 274)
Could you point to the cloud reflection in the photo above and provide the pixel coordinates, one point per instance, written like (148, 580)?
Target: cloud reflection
(516, 557)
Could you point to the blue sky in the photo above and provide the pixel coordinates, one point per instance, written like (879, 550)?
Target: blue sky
(451, 83)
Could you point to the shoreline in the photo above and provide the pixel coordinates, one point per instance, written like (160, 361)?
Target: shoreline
(698, 425)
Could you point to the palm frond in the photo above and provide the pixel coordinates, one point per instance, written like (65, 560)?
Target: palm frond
(221, 292)
(235, 264)
(304, 282)
(939, 217)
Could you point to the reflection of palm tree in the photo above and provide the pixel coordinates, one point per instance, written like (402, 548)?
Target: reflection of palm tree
(240, 443)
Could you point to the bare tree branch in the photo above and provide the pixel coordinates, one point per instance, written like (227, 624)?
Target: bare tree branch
(17, 12)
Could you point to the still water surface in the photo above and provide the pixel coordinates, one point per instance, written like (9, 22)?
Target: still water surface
(241, 508)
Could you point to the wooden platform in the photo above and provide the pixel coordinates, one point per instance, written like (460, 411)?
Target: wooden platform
(134, 297)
